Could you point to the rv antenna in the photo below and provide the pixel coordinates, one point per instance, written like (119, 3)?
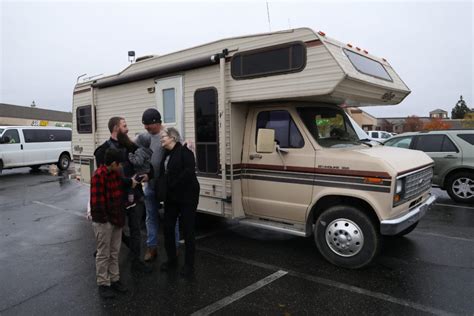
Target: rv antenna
(131, 56)
(268, 15)
(80, 77)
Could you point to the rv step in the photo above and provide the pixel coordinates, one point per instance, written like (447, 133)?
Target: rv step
(275, 226)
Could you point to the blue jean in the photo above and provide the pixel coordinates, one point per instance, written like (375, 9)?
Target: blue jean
(151, 221)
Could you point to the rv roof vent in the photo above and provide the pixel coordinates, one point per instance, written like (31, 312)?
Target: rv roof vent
(322, 33)
(144, 57)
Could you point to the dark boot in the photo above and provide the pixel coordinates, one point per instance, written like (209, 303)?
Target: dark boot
(138, 266)
(118, 286)
(106, 291)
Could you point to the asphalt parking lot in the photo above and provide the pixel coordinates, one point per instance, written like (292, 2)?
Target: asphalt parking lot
(47, 266)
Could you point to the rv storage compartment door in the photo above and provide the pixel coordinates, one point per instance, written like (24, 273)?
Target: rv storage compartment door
(169, 99)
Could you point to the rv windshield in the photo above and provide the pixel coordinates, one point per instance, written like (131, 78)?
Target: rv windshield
(329, 126)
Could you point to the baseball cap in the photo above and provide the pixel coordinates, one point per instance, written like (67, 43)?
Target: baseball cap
(151, 116)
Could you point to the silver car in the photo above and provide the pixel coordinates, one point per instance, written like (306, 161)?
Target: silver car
(453, 154)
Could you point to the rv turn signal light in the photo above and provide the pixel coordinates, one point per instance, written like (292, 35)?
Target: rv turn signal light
(373, 180)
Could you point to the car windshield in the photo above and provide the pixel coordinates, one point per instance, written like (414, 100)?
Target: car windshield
(329, 126)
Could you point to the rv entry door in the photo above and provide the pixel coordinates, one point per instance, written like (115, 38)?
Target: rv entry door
(169, 98)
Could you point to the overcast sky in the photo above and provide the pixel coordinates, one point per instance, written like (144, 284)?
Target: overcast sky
(46, 45)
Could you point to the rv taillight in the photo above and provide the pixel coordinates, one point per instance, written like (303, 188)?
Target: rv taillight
(322, 33)
(349, 45)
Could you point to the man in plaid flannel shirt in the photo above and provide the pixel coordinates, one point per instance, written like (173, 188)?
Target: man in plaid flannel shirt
(108, 218)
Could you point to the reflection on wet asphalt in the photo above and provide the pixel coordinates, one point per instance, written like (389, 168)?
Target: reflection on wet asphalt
(47, 265)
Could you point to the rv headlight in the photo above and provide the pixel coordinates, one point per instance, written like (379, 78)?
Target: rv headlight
(399, 187)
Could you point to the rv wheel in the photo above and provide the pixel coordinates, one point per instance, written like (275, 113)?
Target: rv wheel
(346, 237)
(64, 162)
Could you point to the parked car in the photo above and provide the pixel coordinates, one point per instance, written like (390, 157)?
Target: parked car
(31, 146)
(380, 136)
(453, 154)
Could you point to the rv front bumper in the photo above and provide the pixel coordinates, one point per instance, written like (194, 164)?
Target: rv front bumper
(396, 225)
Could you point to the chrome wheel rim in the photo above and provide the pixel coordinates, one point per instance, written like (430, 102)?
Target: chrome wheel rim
(463, 188)
(344, 237)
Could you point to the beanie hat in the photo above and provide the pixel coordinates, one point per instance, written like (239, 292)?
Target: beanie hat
(151, 116)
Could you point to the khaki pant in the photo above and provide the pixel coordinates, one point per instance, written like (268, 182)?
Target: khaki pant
(108, 239)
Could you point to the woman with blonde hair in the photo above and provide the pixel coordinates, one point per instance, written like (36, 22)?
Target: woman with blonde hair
(178, 187)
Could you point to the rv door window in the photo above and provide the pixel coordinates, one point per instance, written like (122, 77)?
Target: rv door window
(287, 134)
(329, 126)
(169, 106)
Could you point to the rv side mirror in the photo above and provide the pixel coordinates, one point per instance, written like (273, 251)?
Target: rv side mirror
(266, 140)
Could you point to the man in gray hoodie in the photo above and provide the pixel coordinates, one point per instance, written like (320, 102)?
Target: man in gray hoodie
(151, 120)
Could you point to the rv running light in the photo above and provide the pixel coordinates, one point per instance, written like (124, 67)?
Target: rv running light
(358, 48)
(366, 51)
(349, 45)
(384, 59)
(322, 33)
(131, 56)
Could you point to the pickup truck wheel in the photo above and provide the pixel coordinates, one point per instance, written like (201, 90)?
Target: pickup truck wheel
(460, 187)
(64, 161)
(347, 237)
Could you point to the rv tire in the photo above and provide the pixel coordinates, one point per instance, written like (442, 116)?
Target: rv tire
(347, 237)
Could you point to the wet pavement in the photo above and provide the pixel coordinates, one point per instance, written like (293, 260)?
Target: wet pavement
(47, 266)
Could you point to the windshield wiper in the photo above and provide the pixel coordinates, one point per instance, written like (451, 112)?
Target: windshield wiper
(365, 141)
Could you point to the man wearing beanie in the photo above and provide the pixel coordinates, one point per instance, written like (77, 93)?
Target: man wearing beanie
(151, 120)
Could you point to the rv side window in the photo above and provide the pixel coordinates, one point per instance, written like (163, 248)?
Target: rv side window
(84, 119)
(14, 136)
(205, 107)
(367, 66)
(287, 134)
(269, 61)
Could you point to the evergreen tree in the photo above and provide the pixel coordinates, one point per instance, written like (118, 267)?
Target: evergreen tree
(460, 109)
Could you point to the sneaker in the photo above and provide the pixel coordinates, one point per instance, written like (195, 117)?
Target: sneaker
(169, 265)
(106, 291)
(150, 254)
(186, 271)
(118, 286)
(139, 266)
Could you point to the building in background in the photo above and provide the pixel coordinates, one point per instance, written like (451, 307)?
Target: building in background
(364, 119)
(438, 113)
(32, 116)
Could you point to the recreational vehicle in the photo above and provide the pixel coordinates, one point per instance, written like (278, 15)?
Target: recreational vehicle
(274, 147)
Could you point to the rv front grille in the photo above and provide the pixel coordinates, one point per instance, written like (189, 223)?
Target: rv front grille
(417, 183)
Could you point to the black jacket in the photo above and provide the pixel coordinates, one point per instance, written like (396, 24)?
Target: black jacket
(182, 185)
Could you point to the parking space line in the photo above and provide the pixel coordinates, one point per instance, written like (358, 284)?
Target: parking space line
(238, 295)
(458, 206)
(61, 209)
(335, 284)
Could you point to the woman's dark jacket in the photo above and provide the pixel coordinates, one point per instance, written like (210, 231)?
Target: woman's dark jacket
(182, 186)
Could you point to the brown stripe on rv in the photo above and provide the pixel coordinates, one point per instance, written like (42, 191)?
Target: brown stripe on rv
(313, 43)
(358, 173)
(81, 91)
